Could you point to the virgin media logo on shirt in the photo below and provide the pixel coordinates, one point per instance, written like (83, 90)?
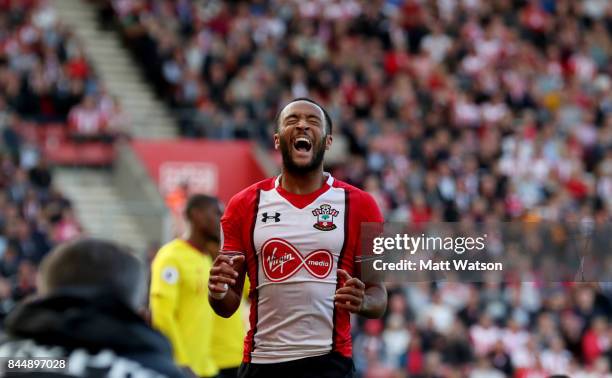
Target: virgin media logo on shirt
(282, 260)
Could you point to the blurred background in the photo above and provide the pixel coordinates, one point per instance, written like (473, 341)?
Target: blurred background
(113, 111)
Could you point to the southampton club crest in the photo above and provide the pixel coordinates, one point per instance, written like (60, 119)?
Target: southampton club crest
(325, 217)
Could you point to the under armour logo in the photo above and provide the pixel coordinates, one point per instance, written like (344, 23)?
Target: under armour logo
(265, 217)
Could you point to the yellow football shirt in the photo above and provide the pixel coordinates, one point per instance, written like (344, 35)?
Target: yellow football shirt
(179, 304)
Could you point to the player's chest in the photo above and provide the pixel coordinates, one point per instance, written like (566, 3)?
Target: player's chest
(287, 238)
(195, 273)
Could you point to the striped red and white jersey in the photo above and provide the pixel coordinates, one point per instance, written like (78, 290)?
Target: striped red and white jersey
(294, 245)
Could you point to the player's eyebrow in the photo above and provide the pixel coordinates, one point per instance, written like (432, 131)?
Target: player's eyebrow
(291, 116)
(297, 115)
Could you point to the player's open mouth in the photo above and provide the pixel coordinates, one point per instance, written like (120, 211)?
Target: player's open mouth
(302, 144)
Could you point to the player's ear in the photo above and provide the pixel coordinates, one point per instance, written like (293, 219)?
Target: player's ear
(276, 141)
(328, 141)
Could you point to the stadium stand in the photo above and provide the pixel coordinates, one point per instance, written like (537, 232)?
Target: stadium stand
(445, 102)
(39, 83)
(454, 110)
(57, 100)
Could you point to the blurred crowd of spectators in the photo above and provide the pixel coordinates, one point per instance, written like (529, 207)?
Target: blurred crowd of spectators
(34, 215)
(45, 76)
(450, 107)
(453, 109)
(40, 81)
(488, 330)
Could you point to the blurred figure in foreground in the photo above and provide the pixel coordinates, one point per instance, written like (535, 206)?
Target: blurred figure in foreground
(90, 293)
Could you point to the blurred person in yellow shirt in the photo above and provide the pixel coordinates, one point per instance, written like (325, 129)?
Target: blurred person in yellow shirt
(178, 296)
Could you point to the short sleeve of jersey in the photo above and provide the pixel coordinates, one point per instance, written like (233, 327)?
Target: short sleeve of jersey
(367, 212)
(165, 273)
(368, 209)
(231, 226)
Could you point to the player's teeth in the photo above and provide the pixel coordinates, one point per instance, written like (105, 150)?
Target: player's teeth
(303, 140)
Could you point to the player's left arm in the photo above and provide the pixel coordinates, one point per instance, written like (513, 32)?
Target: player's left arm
(374, 300)
(368, 299)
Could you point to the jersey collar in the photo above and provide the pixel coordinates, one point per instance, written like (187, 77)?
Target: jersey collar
(328, 182)
(302, 200)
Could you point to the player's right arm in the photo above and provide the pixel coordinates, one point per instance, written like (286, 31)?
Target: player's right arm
(226, 279)
(164, 301)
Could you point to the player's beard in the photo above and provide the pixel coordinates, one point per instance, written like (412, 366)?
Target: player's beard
(290, 166)
(214, 237)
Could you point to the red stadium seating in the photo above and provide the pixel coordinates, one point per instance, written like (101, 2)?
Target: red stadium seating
(59, 149)
(87, 154)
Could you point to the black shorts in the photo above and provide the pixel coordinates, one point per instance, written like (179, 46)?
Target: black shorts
(332, 365)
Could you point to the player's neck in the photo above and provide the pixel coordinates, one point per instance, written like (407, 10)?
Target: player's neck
(197, 241)
(302, 183)
(211, 248)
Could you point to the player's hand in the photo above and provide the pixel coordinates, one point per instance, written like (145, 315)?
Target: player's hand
(351, 292)
(223, 273)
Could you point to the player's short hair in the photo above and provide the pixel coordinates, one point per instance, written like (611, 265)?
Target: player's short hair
(199, 201)
(97, 264)
(328, 120)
